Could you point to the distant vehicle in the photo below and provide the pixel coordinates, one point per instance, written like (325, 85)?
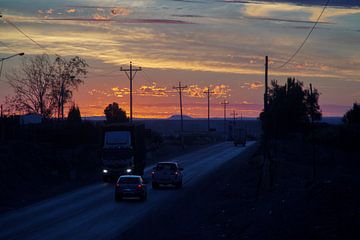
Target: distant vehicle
(130, 186)
(123, 150)
(167, 173)
(239, 136)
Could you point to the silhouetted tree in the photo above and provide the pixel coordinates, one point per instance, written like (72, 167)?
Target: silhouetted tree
(67, 76)
(31, 83)
(42, 86)
(74, 115)
(353, 115)
(290, 107)
(114, 113)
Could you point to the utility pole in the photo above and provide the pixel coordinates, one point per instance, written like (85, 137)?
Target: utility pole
(266, 84)
(130, 73)
(225, 102)
(234, 114)
(208, 94)
(179, 89)
(312, 110)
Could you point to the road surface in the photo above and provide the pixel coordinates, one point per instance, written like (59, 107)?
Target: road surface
(92, 213)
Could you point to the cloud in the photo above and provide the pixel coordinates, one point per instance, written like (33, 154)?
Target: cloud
(120, 11)
(102, 18)
(152, 90)
(253, 85)
(221, 91)
(286, 20)
(272, 10)
(120, 92)
(71, 10)
(218, 91)
(50, 11)
(195, 91)
(187, 15)
(94, 92)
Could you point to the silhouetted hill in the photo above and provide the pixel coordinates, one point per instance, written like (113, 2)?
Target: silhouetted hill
(178, 117)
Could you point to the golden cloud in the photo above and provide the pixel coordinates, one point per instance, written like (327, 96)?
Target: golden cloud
(269, 9)
(195, 91)
(221, 91)
(254, 85)
(152, 90)
(71, 10)
(120, 92)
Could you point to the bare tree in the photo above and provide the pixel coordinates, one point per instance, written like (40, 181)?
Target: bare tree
(67, 76)
(31, 83)
(44, 87)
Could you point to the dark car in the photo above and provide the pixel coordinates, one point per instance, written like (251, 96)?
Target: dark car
(129, 186)
(167, 173)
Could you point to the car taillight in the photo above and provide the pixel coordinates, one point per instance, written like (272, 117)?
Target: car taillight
(117, 185)
(139, 186)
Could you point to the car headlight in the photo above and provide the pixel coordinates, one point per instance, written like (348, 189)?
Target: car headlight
(105, 171)
(128, 170)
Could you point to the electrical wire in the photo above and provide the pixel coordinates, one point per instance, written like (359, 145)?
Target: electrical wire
(147, 78)
(307, 37)
(27, 36)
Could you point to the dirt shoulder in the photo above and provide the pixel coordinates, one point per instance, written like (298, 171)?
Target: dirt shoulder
(228, 204)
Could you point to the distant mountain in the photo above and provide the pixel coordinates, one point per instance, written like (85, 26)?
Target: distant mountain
(178, 117)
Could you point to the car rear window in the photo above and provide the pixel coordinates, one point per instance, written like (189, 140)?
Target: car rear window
(128, 180)
(166, 166)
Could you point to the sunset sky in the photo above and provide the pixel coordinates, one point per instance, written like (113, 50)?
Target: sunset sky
(201, 43)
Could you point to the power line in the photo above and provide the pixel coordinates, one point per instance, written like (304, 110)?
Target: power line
(27, 36)
(307, 37)
(147, 78)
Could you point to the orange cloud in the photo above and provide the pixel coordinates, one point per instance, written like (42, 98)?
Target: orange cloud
(71, 10)
(254, 85)
(94, 92)
(100, 17)
(221, 91)
(195, 91)
(152, 90)
(120, 92)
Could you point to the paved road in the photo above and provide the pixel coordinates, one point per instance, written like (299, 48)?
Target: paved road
(91, 212)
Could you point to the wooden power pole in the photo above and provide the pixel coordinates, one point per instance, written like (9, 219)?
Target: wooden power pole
(208, 94)
(225, 102)
(179, 89)
(130, 73)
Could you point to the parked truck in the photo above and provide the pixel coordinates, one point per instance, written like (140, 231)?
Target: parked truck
(239, 136)
(123, 151)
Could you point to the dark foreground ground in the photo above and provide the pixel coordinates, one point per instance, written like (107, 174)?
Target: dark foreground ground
(231, 204)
